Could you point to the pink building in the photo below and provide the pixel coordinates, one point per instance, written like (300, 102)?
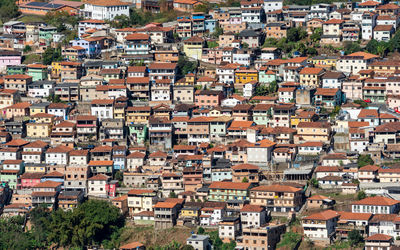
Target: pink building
(17, 110)
(352, 88)
(208, 98)
(9, 57)
(111, 188)
(393, 102)
(28, 180)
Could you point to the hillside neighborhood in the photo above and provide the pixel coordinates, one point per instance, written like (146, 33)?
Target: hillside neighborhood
(254, 125)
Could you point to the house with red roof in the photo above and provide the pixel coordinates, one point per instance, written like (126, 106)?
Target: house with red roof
(379, 241)
(45, 193)
(368, 173)
(252, 216)
(320, 201)
(321, 226)
(277, 197)
(376, 205)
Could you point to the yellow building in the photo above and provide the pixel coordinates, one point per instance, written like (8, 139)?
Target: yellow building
(119, 111)
(303, 116)
(137, 115)
(246, 76)
(311, 77)
(193, 47)
(324, 61)
(55, 69)
(313, 132)
(37, 109)
(385, 67)
(43, 118)
(38, 130)
(35, 169)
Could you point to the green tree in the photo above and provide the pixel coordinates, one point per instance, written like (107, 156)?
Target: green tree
(314, 183)
(245, 180)
(289, 240)
(270, 42)
(119, 176)
(245, 45)
(316, 35)
(172, 194)
(91, 223)
(261, 90)
(212, 44)
(361, 195)
(8, 10)
(217, 32)
(372, 46)
(381, 49)
(185, 66)
(312, 51)
(273, 87)
(200, 230)
(51, 55)
(355, 237)
(364, 160)
(27, 49)
(121, 21)
(351, 47)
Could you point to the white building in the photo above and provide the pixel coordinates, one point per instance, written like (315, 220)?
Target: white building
(103, 109)
(287, 95)
(226, 73)
(90, 24)
(376, 205)
(252, 216)
(272, 5)
(58, 109)
(97, 185)
(321, 226)
(105, 10)
(58, 155)
(383, 32)
(333, 80)
(368, 24)
(40, 89)
(353, 63)
(162, 71)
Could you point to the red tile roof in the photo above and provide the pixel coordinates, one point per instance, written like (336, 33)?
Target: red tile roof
(377, 201)
(229, 185)
(324, 215)
(276, 188)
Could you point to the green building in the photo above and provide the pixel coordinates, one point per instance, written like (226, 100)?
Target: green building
(16, 69)
(224, 191)
(262, 114)
(46, 33)
(219, 126)
(266, 76)
(38, 72)
(137, 133)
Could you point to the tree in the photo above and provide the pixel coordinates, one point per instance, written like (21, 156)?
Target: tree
(172, 194)
(261, 90)
(121, 21)
(185, 65)
(361, 195)
(245, 180)
(91, 223)
(351, 47)
(355, 237)
(245, 45)
(364, 160)
(217, 32)
(314, 183)
(296, 34)
(119, 176)
(27, 49)
(212, 44)
(187, 247)
(381, 49)
(200, 230)
(372, 46)
(273, 87)
(316, 35)
(51, 55)
(8, 10)
(54, 98)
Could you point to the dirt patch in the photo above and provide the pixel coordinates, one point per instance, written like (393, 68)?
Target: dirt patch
(150, 237)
